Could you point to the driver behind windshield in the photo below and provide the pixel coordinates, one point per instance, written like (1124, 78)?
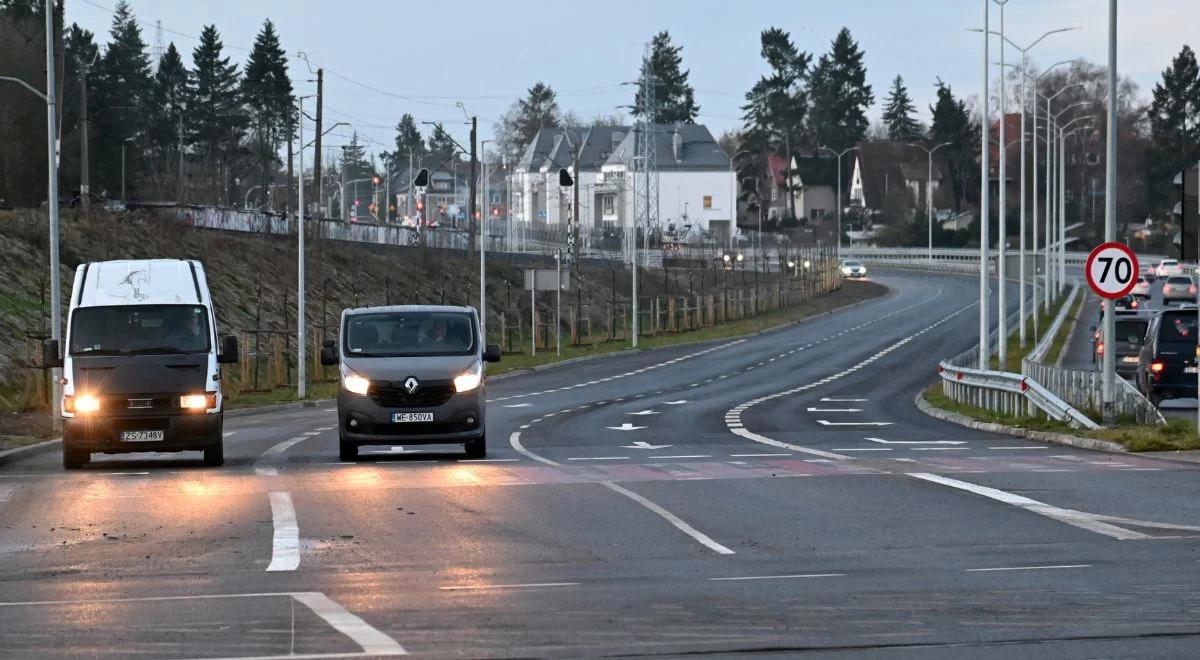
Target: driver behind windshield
(186, 334)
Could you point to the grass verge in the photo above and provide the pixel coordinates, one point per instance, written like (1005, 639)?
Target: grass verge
(1015, 353)
(1064, 333)
(1177, 435)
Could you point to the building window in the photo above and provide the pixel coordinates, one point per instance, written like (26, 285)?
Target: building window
(609, 204)
(816, 214)
(774, 193)
(708, 201)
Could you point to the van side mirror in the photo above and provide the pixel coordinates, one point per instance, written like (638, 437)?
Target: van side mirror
(329, 356)
(491, 353)
(51, 354)
(230, 353)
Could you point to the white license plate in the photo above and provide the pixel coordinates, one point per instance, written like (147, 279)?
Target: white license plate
(1189, 370)
(141, 436)
(1129, 360)
(402, 418)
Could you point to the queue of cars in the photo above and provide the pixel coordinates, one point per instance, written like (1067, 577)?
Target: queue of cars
(142, 368)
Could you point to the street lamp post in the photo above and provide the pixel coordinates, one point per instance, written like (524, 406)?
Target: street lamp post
(1002, 247)
(301, 334)
(1051, 165)
(839, 192)
(483, 217)
(985, 196)
(929, 189)
(1110, 214)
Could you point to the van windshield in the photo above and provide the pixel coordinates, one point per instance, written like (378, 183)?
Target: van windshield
(139, 329)
(409, 334)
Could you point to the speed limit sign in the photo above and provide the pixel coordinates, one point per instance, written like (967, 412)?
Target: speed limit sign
(1112, 270)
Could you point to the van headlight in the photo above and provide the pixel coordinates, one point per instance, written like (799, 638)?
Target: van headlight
(83, 404)
(470, 379)
(196, 402)
(353, 383)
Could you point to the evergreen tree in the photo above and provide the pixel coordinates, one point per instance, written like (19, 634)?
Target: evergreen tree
(898, 113)
(673, 95)
(840, 95)
(170, 94)
(441, 147)
(1174, 117)
(408, 141)
(776, 105)
(538, 110)
(215, 115)
(952, 123)
(267, 93)
(124, 94)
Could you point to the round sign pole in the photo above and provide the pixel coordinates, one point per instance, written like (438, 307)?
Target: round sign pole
(1111, 270)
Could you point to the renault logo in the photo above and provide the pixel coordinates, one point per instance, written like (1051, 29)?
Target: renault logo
(411, 384)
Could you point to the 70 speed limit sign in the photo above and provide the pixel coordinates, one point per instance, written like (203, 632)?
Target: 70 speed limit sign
(1112, 270)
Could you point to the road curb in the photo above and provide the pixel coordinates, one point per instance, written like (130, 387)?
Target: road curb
(278, 407)
(1029, 434)
(44, 447)
(634, 351)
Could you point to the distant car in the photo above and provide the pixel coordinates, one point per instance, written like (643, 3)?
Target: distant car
(1179, 289)
(1149, 272)
(1131, 334)
(1142, 288)
(1167, 364)
(1169, 267)
(853, 269)
(1125, 305)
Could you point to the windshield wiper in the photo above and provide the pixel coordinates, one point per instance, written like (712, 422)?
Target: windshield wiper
(171, 350)
(99, 351)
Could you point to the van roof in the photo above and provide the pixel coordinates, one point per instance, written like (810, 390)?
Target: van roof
(140, 282)
(409, 308)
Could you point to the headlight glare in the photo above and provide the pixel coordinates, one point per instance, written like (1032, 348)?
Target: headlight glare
(354, 383)
(85, 404)
(470, 379)
(206, 401)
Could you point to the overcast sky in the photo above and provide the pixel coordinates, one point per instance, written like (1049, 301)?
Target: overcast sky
(386, 57)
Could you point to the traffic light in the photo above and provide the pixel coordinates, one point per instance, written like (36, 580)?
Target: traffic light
(495, 213)
(420, 205)
(376, 180)
(564, 178)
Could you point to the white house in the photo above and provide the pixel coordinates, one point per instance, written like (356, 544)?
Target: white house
(537, 197)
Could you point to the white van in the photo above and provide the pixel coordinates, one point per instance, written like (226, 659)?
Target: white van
(141, 368)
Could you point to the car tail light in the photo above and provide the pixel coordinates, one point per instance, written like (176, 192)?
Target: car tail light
(1156, 368)
(1192, 289)
(1100, 348)
(1166, 288)
(1133, 304)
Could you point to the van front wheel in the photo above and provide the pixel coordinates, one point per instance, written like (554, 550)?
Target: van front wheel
(477, 448)
(347, 451)
(215, 456)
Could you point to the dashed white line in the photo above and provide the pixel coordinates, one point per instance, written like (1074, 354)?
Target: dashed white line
(285, 543)
(700, 537)
(1025, 568)
(531, 585)
(776, 577)
(598, 458)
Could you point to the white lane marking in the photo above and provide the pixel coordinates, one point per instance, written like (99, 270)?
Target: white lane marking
(1025, 568)
(1003, 448)
(626, 427)
(835, 410)
(826, 399)
(864, 449)
(488, 460)
(916, 442)
(518, 405)
(330, 410)
(309, 434)
(940, 448)
(825, 422)
(515, 441)
(285, 544)
(674, 403)
(372, 640)
(226, 434)
(530, 585)
(750, 435)
(679, 524)
(599, 458)
(776, 577)
(262, 467)
(266, 471)
(642, 444)
(641, 413)
(689, 456)
(758, 455)
(1080, 519)
(627, 373)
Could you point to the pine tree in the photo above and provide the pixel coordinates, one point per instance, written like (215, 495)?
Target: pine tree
(673, 95)
(215, 115)
(840, 95)
(776, 106)
(898, 113)
(441, 147)
(170, 94)
(525, 117)
(267, 93)
(952, 123)
(1174, 117)
(408, 141)
(124, 94)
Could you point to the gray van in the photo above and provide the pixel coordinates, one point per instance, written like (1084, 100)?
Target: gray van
(410, 374)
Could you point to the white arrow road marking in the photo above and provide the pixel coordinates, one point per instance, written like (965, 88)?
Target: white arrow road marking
(645, 445)
(625, 427)
(643, 412)
(285, 544)
(518, 405)
(837, 410)
(676, 403)
(682, 526)
(916, 442)
(826, 399)
(825, 422)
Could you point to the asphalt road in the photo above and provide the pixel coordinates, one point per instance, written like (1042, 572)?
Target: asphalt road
(779, 493)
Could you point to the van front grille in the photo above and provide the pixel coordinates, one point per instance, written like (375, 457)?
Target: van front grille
(393, 395)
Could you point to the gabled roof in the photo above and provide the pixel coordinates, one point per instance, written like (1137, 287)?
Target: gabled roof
(886, 164)
(677, 147)
(552, 148)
